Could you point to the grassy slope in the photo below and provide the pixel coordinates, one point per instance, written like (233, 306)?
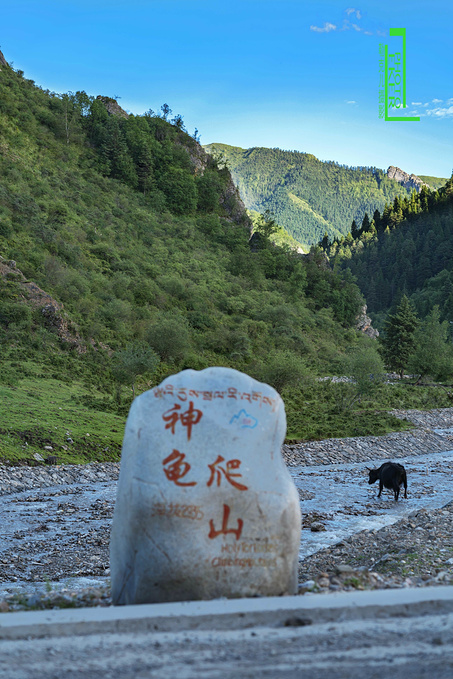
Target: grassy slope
(122, 266)
(281, 237)
(37, 412)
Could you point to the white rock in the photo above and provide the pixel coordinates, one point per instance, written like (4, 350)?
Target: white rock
(307, 585)
(205, 505)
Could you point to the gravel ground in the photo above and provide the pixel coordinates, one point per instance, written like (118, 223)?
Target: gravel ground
(414, 552)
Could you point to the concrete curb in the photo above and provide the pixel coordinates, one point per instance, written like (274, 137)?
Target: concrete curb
(228, 614)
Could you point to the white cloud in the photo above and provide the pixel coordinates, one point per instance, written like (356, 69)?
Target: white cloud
(436, 111)
(351, 102)
(351, 10)
(382, 33)
(441, 112)
(437, 101)
(325, 29)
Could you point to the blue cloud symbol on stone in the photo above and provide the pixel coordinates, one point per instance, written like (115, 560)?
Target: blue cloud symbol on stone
(244, 420)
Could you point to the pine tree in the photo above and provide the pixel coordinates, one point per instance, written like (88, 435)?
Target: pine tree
(354, 230)
(413, 204)
(166, 111)
(377, 219)
(115, 153)
(325, 241)
(398, 342)
(423, 198)
(365, 223)
(432, 355)
(385, 217)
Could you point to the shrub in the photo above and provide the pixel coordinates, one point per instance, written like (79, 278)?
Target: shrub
(209, 188)
(283, 369)
(15, 313)
(170, 338)
(137, 359)
(180, 190)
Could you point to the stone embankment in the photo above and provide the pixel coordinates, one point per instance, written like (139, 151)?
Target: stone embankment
(421, 440)
(18, 479)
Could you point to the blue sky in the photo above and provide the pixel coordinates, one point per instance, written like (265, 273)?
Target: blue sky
(292, 74)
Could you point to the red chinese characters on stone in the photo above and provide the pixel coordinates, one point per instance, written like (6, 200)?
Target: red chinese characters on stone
(213, 533)
(217, 471)
(177, 468)
(188, 419)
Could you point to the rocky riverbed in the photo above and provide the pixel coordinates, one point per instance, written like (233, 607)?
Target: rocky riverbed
(56, 524)
(415, 551)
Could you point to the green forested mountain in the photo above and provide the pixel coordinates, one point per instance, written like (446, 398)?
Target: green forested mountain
(306, 196)
(408, 249)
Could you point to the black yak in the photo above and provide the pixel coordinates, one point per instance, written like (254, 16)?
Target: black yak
(391, 475)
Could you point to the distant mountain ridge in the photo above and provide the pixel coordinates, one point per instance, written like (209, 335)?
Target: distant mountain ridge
(306, 196)
(433, 182)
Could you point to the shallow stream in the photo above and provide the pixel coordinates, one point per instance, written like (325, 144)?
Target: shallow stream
(339, 497)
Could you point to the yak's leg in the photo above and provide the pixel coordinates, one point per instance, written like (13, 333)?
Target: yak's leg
(381, 485)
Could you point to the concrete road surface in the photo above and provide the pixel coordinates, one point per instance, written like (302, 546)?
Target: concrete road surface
(391, 633)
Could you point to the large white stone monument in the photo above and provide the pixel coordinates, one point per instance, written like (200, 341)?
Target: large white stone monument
(205, 505)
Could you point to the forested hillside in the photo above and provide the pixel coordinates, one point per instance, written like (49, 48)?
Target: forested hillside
(125, 257)
(408, 249)
(309, 198)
